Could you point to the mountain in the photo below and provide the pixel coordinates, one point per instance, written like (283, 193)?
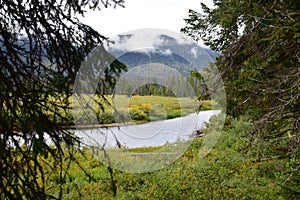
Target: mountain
(183, 56)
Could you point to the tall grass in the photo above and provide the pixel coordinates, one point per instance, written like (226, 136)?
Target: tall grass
(137, 109)
(225, 173)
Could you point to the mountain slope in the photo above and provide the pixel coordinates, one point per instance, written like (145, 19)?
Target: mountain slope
(165, 50)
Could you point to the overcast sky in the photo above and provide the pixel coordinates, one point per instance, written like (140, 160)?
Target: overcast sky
(137, 14)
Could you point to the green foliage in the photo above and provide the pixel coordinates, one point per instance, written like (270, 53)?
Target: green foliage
(135, 108)
(145, 149)
(175, 84)
(260, 63)
(137, 114)
(106, 118)
(42, 47)
(229, 171)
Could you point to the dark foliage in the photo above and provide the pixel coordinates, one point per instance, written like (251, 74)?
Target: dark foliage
(260, 65)
(42, 47)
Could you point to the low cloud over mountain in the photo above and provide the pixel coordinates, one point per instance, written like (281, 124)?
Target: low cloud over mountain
(174, 52)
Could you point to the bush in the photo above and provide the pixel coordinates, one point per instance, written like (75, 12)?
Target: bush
(106, 118)
(145, 107)
(157, 112)
(137, 114)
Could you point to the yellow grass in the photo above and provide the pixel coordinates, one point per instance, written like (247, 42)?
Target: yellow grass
(121, 108)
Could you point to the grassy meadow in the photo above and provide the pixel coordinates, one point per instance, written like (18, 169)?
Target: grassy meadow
(137, 109)
(225, 173)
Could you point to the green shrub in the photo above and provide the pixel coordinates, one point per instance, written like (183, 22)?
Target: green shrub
(106, 118)
(173, 114)
(227, 172)
(157, 112)
(137, 114)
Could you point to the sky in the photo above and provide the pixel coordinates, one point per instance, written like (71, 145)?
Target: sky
(138, 14)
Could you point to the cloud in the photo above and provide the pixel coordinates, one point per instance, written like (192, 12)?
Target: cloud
(165, 51)
(134, 42)
(194, 52)
(145, 39)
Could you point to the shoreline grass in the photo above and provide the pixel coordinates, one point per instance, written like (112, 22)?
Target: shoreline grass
(225, 173)
(137, 109)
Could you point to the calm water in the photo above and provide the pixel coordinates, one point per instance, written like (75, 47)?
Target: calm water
(150, 134)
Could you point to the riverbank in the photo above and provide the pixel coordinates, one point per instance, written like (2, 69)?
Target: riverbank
(155, 133)
(96, 126)
(225, 173)
(136, 109)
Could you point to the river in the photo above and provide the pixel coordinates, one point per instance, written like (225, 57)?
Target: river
(156, 133)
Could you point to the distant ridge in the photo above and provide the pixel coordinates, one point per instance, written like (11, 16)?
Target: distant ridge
(160, 52)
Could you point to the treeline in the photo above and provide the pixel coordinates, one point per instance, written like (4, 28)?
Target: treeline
(174, 86)
(155, 79)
